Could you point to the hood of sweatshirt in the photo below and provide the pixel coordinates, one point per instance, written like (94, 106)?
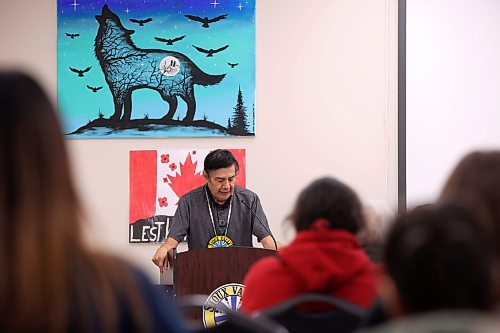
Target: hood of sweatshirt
(324, 260)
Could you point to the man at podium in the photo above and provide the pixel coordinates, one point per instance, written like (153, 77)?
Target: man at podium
(217, 214)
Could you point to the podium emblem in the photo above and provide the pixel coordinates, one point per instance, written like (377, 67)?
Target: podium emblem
(229, 295)
(219, 241)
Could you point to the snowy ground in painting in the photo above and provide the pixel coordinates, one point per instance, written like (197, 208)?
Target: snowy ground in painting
(153, 131)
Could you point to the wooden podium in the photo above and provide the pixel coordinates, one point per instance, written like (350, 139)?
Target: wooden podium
(202, 271)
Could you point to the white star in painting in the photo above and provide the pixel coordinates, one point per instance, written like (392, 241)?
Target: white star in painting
(127, 10)
(74, 4)
(240, 6)
(215, 3)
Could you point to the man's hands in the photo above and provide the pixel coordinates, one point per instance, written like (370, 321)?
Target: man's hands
(164, 255)
(162, 258)
(268, 243)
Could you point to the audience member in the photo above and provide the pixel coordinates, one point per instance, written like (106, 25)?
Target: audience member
(325, 256)
(50, 281)
(476, 179)
(438, 271)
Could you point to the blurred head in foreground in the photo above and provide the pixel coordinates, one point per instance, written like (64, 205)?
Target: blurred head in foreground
(437, 257)
(50, 281)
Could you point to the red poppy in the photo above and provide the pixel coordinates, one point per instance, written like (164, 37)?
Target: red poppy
(173, 166)
(165, 158)
(163, 202)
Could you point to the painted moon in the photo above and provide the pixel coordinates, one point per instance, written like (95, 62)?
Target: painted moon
(170, 66)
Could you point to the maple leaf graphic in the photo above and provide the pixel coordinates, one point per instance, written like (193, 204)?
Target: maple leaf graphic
(186, 178)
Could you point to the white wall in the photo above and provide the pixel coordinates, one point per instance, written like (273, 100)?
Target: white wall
(334, 116)
(453, 86)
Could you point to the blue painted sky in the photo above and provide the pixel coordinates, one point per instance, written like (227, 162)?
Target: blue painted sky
(78, 104)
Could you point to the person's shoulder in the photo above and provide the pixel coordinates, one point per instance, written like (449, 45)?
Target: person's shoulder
(269, 272)
(265, 266)
(244, 192)
(164, 316)
(194, 193)
(121, 266)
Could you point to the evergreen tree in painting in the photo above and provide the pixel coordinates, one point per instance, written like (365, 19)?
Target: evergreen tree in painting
(253, 118)
(228, 123)
(239, 121)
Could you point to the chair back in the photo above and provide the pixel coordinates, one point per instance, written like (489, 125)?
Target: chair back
(344, 317)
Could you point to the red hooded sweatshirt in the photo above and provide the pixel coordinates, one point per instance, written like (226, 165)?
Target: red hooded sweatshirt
(317, 261)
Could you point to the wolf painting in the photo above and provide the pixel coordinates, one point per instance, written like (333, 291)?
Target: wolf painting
(156, 68)
(127, 68)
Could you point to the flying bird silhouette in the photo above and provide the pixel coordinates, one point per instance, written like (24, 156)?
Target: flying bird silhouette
(94, 89)
(210, 53)
(80, 71)
(206, 20)
(232, 65)
(169, 41)
(142, 22)
(72, 36)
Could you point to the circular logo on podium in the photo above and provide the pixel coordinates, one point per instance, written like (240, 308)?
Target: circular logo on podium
(219, 241)
(229, 295)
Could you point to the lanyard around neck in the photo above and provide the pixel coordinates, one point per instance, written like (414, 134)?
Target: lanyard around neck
(212, 217)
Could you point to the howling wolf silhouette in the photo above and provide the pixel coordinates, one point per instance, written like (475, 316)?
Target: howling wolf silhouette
(127, 68)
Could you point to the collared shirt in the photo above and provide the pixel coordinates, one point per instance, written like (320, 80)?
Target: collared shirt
(192, 218)
(220, 213)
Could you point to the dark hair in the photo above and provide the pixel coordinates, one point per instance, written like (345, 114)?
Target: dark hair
(440, 257)
(40, 228)
(329, 199)
(477, 176)
(220, 158)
